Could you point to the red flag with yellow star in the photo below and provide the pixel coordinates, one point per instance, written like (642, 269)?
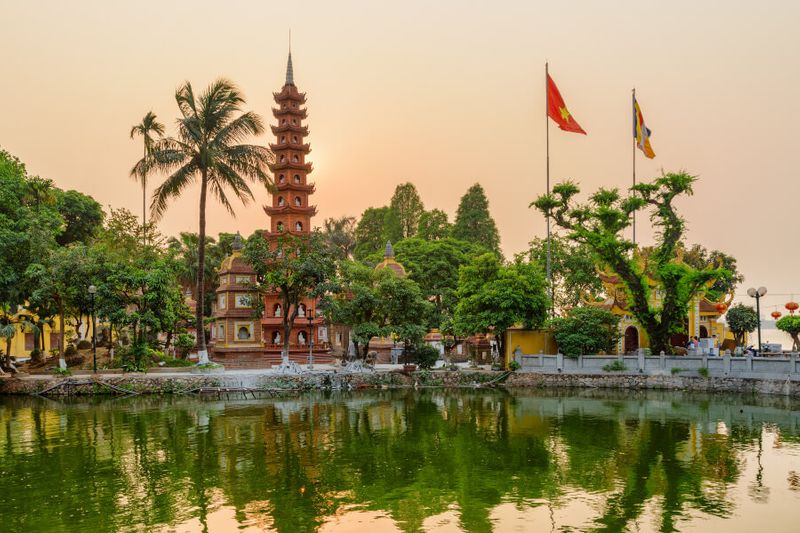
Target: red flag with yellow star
(557, 109)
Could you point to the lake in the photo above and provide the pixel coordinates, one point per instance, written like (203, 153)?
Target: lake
(402, 460)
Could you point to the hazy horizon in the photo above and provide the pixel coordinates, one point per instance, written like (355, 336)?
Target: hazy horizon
(443, 95)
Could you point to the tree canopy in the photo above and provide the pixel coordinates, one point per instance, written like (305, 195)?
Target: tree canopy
(742, 319)
(474, 223)
(599, 225)
(376, 226)
(408, 207)
(586, 330)
(791, 325)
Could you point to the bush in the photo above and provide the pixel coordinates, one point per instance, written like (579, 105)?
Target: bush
(703, 372)
(616, 366)
(426, 356)
(58, 371)
(135, 357)
(586, 330)
(84, 344)
(184, 344)
(71, 350)
(177, 363)
(676, 370)
(514, 366)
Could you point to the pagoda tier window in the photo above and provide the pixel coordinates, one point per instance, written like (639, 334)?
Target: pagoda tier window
(276, 337)
(281, 201)
(297, 201)
(283, 121)
(302, 338)
(295, 159)
(294, 139)
(297, 178)
(283, 158)
(278, 311)
(301, 310)
(283, 139)
(298, 226)
(294, 121)
(281, 179)
(280, 226)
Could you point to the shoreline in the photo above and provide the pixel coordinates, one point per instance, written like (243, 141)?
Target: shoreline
(271, 382)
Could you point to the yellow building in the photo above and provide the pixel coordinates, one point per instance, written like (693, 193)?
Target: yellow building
(22, 343)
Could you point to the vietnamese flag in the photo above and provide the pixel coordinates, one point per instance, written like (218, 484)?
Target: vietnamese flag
(557, 109)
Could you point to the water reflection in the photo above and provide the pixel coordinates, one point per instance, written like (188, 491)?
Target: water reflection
(400, 461)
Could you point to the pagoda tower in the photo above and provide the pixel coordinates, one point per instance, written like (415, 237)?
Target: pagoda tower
(290, 212)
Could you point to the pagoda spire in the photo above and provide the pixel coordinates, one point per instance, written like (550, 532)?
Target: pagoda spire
(289, 70)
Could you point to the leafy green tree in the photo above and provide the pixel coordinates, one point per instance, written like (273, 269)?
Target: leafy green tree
(699, 257)
(742, 319)
(474, 223)
(83, 217)
(340, 233)
(586, 330)
(376, 226)
(791, 325)
(147, 129)
(434, 266)
(123, 238)
(61, 280)
(573, 270)
(493, 297)
(599, 226)
(297, 267)
(377, 304)
(433, 225)
(185, 247)
(407, 204)
(207, 149)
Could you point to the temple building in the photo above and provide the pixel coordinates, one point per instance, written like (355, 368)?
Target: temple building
(290, 213)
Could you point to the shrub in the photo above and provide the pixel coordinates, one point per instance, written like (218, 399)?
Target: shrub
(70, 350)
(703, 372)
(58, 371)
(74, 360)
(84, 344)
(177, 363)
(184, 344)
(514, 366)
(676, 370)
(586, 330)
(616, 366)
(426, 356)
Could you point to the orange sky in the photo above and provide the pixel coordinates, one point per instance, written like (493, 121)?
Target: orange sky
(442, 94)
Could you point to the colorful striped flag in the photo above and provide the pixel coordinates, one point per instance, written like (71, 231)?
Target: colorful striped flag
(641, 132)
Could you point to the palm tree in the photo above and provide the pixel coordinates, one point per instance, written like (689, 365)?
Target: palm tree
(340, 233)
(146, 128)
(207, 149)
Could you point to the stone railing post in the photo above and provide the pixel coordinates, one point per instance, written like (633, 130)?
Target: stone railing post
(640, 360)
(560, 361)
(541, 359)
(662, 360)
(580, 362)
(726, 362)
(750, 362)
(793, 363)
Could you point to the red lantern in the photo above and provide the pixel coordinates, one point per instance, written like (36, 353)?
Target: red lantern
(776, 315)
(792, 307)
(721, 308)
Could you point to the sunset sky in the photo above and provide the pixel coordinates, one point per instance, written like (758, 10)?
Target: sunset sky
(443, 94)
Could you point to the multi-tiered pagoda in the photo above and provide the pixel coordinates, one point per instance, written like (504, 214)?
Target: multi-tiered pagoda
(290, 212)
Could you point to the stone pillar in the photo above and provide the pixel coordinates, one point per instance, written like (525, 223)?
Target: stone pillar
(726, 363)
(641, 361)
(580, 362)
(793, 363)
(662, 361)
(749, 362)
(559, 361)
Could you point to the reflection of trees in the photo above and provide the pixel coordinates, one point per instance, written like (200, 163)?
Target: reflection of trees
(143, 462)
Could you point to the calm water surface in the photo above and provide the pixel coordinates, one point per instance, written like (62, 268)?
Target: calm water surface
(387, 461)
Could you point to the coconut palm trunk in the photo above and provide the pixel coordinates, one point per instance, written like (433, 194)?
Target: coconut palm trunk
(202, 351)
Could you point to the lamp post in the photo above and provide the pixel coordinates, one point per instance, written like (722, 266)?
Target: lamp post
(758, 294)
(310, 341)
(92, 290)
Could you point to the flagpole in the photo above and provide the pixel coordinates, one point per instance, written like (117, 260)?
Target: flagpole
(633, 152)
(547, 136)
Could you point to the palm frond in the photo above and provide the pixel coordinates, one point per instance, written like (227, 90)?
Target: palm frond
(171, 188)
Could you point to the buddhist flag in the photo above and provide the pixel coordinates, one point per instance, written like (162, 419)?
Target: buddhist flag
(557, 109)
(641, 132)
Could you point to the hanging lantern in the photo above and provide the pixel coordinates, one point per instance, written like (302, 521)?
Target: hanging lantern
(721, 308)
(792, 307)
(776, 315)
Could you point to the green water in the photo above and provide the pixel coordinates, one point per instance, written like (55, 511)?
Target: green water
(434, 460)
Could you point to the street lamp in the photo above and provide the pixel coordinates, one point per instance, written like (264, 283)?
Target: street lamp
(310, 341)
(92, 290)
(758, 294)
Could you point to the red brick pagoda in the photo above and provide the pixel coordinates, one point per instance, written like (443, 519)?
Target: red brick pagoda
(289, 212)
